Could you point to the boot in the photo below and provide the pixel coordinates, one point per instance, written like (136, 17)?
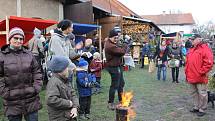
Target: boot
(111, 106)
(82, 117)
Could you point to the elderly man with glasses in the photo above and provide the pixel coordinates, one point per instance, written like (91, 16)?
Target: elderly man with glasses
(199, 62)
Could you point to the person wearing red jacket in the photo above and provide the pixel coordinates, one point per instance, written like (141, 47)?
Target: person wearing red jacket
(96, 68)
(114, 52)
(199, 61)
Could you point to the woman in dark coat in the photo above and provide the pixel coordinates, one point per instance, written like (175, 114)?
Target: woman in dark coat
(176, 57)
(20, 79)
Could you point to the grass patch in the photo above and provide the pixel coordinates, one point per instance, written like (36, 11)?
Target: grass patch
(153, 99)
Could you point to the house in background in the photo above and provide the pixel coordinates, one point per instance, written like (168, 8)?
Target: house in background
(173, 22)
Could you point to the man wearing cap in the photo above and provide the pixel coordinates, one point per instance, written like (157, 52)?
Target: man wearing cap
(20, 79)
(114, 54)
(199, 61)
(61, 98)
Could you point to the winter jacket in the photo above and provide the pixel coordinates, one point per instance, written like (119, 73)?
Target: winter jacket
(176, 53)
(90, 49)
(146, 50)
(35, 45)
(59, 45)
(114, 53)
(83, 83)
(199, 61)
(20, 81)
(163, 56)
(59, 93)
(96, 66)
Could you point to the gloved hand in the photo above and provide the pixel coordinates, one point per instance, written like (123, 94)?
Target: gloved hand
(74, 113)
(126, 41)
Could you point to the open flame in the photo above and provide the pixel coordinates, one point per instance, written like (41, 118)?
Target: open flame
(126, 99)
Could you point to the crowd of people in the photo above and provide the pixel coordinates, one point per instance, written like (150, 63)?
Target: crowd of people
(68, 65)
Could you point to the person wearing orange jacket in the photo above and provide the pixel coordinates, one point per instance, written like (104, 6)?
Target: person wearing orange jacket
(199, 61)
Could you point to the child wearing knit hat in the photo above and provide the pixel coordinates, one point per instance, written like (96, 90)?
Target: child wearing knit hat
(62, 106)
(85, 82)
(96, 68)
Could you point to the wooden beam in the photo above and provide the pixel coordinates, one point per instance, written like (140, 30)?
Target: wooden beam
(7, 29)
(100, 42)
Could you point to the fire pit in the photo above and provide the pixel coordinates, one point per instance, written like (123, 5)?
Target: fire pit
(123, 110)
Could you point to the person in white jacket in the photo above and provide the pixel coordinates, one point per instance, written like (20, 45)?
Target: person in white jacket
(61, 46)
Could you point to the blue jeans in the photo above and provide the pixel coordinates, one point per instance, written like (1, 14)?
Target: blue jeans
(163, 69)
(28, 117)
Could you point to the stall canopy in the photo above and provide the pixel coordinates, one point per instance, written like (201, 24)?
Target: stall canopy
(27, 24)
(80, 29)
(170, 35)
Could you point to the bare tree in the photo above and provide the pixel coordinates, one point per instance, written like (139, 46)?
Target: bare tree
(205, 30)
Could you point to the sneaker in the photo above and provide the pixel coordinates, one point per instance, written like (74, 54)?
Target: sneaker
(200, 114)
(81, 116)
(111, 106)
(194, 110)
(87, 116)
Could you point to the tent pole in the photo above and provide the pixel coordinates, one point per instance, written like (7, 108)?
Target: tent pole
(100, 42)
(7, 29)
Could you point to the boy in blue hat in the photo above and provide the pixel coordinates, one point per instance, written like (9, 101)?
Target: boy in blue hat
(85, 82)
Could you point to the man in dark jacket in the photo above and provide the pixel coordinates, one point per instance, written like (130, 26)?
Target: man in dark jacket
(20, 79)
(61, 97)
(199, 61)
(114, 53)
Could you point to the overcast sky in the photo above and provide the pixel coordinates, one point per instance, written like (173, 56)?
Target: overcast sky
(202, 10)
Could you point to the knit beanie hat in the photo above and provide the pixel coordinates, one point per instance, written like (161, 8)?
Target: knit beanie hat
(113, 33)
(58, 64)
(15, 31)
(83, 64)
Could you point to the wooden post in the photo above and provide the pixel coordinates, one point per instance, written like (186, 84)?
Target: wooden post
(100, 42)
(7, 29)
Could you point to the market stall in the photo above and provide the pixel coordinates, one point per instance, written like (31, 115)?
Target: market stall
(27, 24)
(170, 37)
(141, 31)
(81, 30)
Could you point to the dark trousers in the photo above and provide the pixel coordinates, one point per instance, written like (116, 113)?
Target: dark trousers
(175, 74)
(28, 117)
(85, 103)
(117, 82)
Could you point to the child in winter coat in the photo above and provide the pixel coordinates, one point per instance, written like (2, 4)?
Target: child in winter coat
(96, 68)
(62, 101)
(85, 82)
